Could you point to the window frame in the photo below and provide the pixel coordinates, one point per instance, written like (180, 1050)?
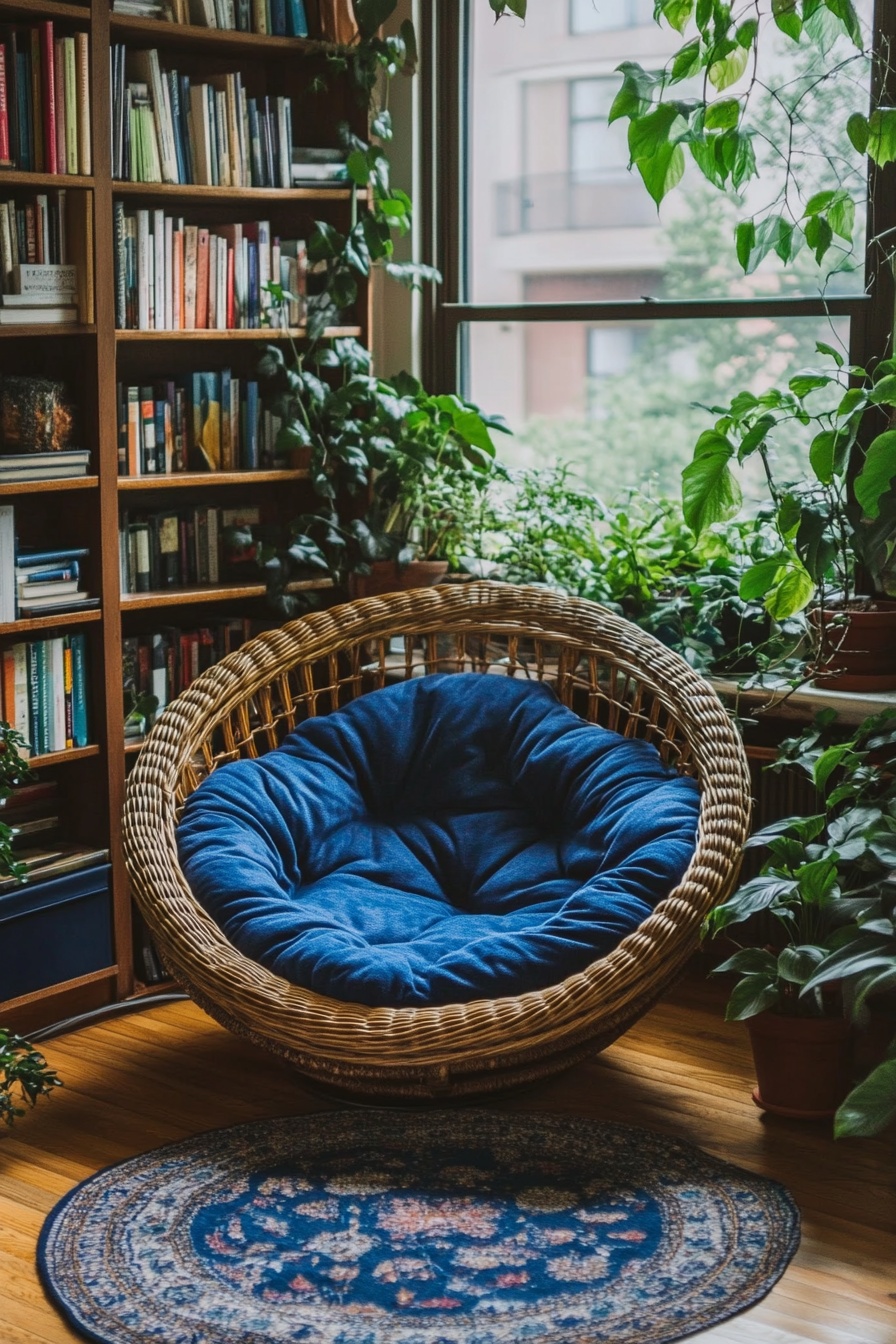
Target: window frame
(447, 308)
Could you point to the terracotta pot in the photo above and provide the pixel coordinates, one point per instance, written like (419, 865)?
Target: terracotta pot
(803, 1064)
(863, 650)
(386, 576)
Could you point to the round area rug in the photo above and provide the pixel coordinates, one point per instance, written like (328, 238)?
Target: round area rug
(447, 1227)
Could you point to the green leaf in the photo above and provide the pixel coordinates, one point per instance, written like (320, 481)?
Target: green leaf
(801, 384)
(859, 132)
(792, 593)
(884, 392)
(662, 171)
(878, 471)
(787, 18)
(676, 13)
(796, 964)
(370, 15)
(817, 880)
(871, 1106)
(819, 236)
(686, 62)
(821, 455)
(760, 578)
(634, 98)
(745, 36)
(408, 36)
(789, 517)
(817, 204)
(827, 763)
(760, 893)
(842, 215)
(882, 136)
(745, 242)
(829, 350)
(729, 69)
(749, 960)
(845, 12)
(723, 115)
(710, 493)
(753, 995)
(755, 437)
(381, 125)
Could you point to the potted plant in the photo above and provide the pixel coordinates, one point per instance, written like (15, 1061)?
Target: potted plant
(25, 1076)
(13, 772)
(835, 522)
(819, 880)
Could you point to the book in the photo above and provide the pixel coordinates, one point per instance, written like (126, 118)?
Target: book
(19, 317)
(7, 564)
(40, 280)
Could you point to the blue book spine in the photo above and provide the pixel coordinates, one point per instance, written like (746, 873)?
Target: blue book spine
(80, 727)
(254, 296)
(278, 18)
(23, 91)
(174, 97)
(250, 437)
(61, 572)
(185, 138)
(297, 18)
(30, 559)
(159, 420)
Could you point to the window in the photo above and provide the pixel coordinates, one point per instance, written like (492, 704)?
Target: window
(570, 307)
(600, 16)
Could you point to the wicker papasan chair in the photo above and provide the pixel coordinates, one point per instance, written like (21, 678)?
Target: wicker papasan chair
(602, 667)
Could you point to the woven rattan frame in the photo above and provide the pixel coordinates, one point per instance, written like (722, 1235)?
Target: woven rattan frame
(604, 667)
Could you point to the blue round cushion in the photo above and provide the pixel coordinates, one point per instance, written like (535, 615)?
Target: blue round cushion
(450, 838)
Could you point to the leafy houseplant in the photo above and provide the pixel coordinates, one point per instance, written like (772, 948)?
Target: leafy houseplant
(13, 772)
(25, 1076)
(822, 876)
(841, 517)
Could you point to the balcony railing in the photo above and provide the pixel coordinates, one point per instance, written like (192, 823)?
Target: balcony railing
(543, 202)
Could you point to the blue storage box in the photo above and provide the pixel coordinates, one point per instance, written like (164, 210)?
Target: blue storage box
(55, 931)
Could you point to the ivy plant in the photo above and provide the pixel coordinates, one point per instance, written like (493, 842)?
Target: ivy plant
(25, 1076)
(14, 772)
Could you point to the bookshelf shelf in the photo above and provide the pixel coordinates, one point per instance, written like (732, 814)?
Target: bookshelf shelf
(24, 627)
(44, 9)
(126, 28)
(193, 193)
(63, 757)
(15, 177)
(43, 329)
(183, 597)
(241, 334)
(38, 487)
(191, 479)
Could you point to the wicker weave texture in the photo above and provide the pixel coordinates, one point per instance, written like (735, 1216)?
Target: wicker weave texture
(606, 669)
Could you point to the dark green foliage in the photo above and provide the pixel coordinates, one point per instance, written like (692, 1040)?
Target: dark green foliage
(25, 1077)
(13, 772)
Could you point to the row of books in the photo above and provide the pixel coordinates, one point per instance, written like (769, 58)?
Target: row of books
(173, 276)
(64, 466)
(37, 281)
(174, 548)
(157, 667)
(32, 813)
(332, 20)
(38, 582)
(44, 100)
(45, 691)
(209, 421)
(169, 128)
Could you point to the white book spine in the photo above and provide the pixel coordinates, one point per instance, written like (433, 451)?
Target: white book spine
(57, 682)
(284, 138)
(143, 270)
(212, 281)
(264, 263)
(276, 277)
(7, 563)
(222, 284)
(21, 716)
(158, 239)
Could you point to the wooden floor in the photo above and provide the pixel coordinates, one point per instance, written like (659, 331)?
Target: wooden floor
(169, 1072)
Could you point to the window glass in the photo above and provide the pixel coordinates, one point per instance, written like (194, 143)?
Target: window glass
(599, 16)
(625, 403)
(550, 195)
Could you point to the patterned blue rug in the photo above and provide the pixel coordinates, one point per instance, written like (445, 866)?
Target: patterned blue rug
(447, 1227)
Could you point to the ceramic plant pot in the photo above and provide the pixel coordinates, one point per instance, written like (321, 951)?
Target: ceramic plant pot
(862, 650)
(387, 576)
(803, 1064)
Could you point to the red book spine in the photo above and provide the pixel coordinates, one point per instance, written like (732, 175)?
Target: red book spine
(48, 93)
(59, 103)
(4, 110)
(231, 315)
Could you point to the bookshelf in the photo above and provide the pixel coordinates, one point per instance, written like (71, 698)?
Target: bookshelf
(93, 357)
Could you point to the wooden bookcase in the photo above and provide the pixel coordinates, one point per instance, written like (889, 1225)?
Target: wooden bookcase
(92, 357)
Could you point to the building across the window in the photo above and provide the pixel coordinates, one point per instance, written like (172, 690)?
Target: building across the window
(600, 16)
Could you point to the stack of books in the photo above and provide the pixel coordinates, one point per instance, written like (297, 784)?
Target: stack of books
(313, 166)
(45, 690)
(39, 292)
(174, 276)
(44, 100)
(48, 582)
(208, 421)
(167, 128)
(43, 466)
(279, 18)
(32, 814)
(163, 663)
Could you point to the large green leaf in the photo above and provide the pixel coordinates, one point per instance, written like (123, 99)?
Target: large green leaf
(662, 171)
(635, 96)
(792, 593)
(675, 12)
(709, 491)
(871, 1106)
(787, 18)
(878, 471)
(796, 964)
(760, 578)
(722, 115)
(754, 994)
(748, 961)
(728, 69)
(882, 135)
